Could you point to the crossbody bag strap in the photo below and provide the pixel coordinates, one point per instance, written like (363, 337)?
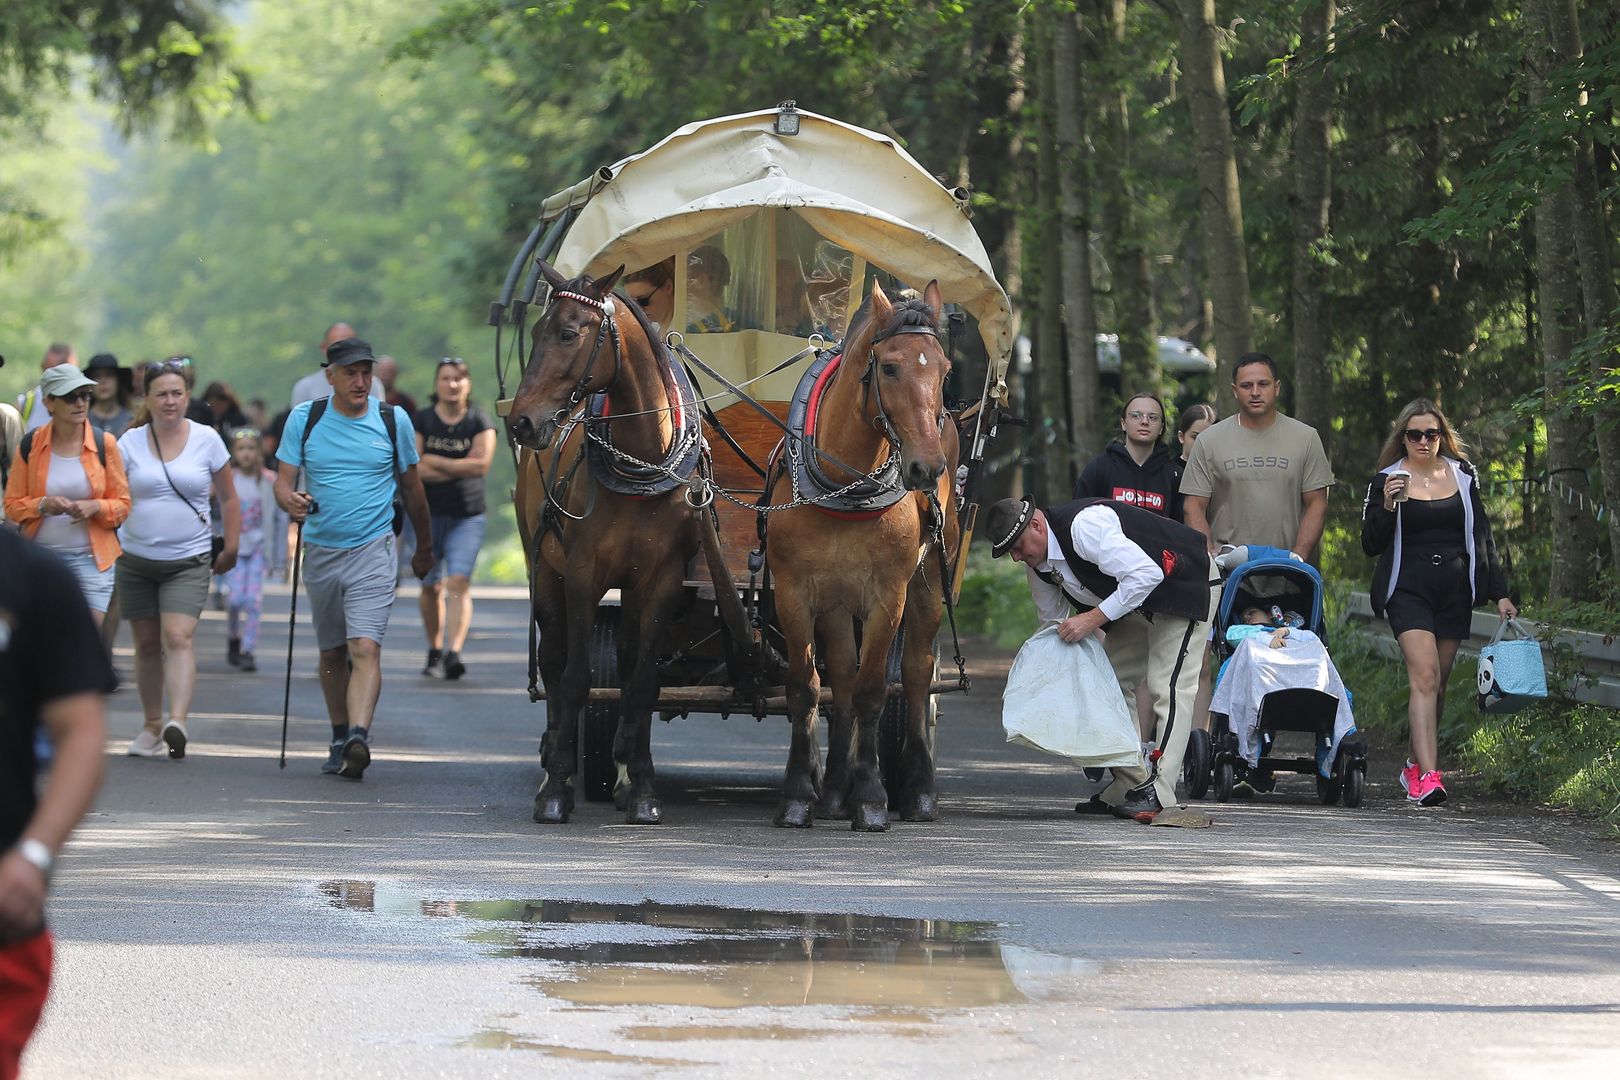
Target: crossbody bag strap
(158, 449)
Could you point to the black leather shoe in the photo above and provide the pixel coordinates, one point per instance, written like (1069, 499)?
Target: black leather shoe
(1093, 805)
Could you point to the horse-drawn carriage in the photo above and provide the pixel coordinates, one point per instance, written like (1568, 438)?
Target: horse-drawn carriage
(691, 443)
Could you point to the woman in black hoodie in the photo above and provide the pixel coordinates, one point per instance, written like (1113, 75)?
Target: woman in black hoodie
(1424, 520)
(1136, 468)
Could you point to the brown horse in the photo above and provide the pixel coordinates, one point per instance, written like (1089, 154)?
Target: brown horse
(834, 570)
(586, 535)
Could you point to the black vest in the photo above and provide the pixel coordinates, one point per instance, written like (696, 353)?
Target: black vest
(1177, 549)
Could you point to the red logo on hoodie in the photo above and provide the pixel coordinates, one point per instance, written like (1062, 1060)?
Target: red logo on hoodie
(1167, 559)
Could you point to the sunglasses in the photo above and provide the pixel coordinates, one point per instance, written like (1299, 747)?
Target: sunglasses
(1428, 435)
(241, 434)
(453, 361)
(76, 396)
(173, 363)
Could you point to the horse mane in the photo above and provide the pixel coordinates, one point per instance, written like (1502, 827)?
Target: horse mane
(586, 285)
(908, 312)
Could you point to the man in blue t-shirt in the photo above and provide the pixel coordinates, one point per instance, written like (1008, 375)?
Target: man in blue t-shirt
(353, 472)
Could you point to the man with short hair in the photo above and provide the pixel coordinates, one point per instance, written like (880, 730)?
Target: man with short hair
(1258, 477)
(32, 404)
(387, 373)
(1143, 578)
(314, 386)
(53, 675)
(354, 469)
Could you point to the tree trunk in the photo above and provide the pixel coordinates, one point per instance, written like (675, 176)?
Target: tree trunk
(1049, 411)
(1074, 196)
(1558, 305)
(1220, 202)
(1313, 198)
(1131, 278)
(1592, 238)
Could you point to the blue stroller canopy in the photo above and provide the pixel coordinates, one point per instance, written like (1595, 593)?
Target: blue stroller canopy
(1302, 577)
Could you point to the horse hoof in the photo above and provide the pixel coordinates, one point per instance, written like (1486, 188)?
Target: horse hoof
(869, 818)
(621, 797)
(922, 808)
(795, 814)
(553, 809)
(645, 811)
(832, 807)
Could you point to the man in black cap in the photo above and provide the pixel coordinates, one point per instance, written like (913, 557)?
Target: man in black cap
(1095, 564)
(356, 460)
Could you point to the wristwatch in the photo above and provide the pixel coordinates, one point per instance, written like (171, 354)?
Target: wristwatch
(38, 854)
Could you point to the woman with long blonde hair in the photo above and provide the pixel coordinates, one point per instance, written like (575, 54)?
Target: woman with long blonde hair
(1425, 521)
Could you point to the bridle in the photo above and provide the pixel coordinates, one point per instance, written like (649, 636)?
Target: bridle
(605, 328)
(870, 381)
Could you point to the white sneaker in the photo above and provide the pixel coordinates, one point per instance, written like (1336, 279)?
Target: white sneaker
(147, 744)
(174, 734)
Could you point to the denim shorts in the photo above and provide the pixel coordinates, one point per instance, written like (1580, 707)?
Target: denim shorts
(97, 585)
(456, 541)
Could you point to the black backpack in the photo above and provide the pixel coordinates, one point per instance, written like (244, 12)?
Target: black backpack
(318, 409)
(28, 446)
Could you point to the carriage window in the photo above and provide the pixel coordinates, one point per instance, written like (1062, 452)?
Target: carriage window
(812, 281)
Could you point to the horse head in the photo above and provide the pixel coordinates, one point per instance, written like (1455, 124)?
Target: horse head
(576, 351)
(905, 380)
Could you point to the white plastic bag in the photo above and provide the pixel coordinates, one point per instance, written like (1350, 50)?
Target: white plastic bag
(1065, 700)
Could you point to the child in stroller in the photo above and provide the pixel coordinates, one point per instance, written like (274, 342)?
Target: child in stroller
(1275, 676)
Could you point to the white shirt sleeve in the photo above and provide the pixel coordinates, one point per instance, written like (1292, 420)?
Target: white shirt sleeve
(1099, 539)
(1050, 602)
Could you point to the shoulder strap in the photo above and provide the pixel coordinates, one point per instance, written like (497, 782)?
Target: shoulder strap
(317, 409)
(101, 448)
(28, 445)
(392, 424)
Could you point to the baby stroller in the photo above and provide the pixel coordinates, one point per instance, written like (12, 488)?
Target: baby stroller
(1271, 577)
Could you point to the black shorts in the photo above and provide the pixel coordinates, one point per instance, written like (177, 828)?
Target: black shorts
(1436, 597)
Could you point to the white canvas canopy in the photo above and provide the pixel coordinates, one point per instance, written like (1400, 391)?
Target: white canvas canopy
(855, 188)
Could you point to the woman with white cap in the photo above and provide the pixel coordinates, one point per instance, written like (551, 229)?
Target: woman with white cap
(67, 489)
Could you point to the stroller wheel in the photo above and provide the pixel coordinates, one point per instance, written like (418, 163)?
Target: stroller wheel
(1225, 778)
(1355, 782)
(1195, 768)
(1328, 790)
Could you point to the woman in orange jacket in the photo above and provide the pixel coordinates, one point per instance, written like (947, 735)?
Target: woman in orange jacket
(66, 492)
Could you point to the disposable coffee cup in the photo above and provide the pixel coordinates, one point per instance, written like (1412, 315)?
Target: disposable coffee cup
(1400, 496)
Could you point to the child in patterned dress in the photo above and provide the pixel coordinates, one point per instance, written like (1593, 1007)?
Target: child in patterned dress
(263, 545)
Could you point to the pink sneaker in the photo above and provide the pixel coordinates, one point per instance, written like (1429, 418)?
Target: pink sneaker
(1430, 790)
(1409, 779)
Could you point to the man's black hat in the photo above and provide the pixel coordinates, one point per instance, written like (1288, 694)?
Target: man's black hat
(1006, 521)
(349, 351)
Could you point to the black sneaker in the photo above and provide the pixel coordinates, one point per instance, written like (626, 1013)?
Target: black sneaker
(1141, 803)
(247, 663)
(233, 652)
(434, 660)
(453, 667)
(356, 754)
(334, 758)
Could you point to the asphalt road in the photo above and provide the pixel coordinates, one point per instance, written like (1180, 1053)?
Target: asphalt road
(217, 917)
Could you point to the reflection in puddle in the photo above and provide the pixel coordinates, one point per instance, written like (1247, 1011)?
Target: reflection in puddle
(495, 1039)
(611, 957)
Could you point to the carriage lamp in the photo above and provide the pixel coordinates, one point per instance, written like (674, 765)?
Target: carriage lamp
(787, 118)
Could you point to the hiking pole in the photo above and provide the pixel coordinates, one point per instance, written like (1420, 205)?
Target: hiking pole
(292, 627)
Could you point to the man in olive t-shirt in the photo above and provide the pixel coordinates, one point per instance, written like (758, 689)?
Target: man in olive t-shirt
(1258, 477)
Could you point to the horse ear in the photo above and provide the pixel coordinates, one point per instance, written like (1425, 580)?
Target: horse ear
(882, 310)
(605, 284)
(554, 279)
(931, 297)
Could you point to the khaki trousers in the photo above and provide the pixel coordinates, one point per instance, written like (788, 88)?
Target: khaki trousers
(1167, 652)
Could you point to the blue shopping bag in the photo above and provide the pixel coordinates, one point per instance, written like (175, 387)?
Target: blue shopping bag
(1511, 672)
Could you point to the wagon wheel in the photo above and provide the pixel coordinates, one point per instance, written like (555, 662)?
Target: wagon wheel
(598, 721)
(892, 723)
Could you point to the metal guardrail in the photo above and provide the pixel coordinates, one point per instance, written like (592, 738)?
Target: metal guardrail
(1599, 654)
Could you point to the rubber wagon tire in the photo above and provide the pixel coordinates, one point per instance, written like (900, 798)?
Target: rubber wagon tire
(598, 721)
(892, 722)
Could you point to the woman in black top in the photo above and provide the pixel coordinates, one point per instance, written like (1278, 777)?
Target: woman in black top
(1191, 424)
(1425, 521)
(457, 445)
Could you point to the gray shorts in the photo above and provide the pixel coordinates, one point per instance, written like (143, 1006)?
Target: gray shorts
(148, 588)
(351, 590)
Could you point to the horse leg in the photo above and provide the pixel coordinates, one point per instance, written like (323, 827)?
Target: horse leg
(836, 633)
(624, 735)
(868, 802)
(640, 696)
(555, 800)
(803, 694)
(552, 656)
(918, 800)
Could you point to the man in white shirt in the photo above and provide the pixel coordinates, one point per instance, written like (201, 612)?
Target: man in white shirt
(32, 404)
(313, 387)
(1143, 578)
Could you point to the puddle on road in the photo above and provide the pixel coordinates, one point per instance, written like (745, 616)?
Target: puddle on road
(640, 957)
